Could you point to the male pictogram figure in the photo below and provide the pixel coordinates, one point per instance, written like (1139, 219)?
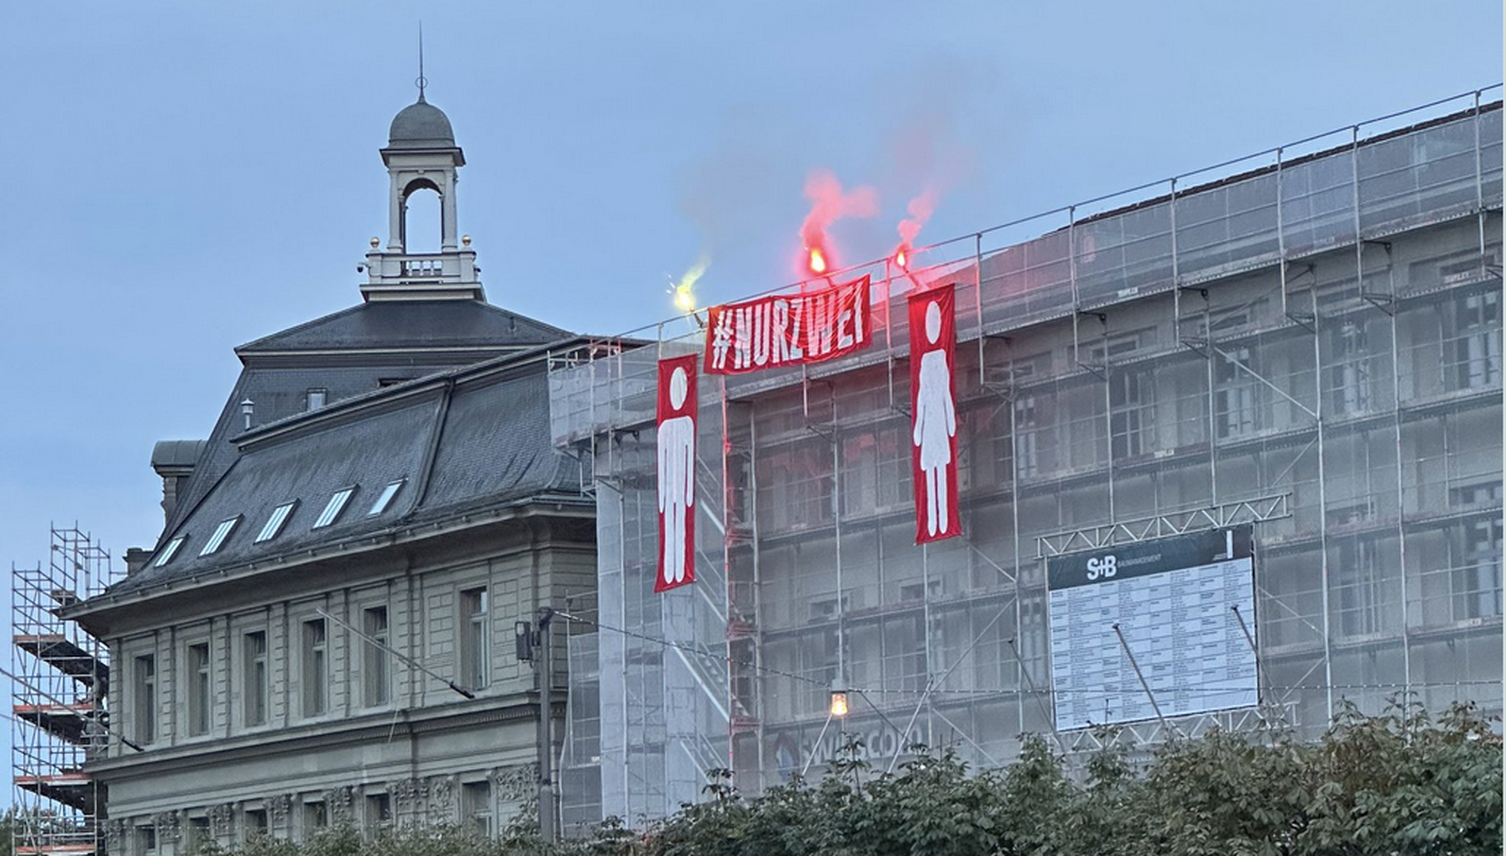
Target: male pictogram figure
(935, 414)
(676, 450)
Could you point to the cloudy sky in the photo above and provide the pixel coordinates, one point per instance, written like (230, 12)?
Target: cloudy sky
(185, 177)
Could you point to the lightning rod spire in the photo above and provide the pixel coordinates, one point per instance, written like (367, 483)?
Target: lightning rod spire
(421, 81)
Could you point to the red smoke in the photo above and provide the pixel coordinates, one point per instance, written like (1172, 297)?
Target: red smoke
(920, 208)
(829, 203)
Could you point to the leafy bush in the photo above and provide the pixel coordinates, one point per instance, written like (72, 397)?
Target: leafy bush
(1398, 783)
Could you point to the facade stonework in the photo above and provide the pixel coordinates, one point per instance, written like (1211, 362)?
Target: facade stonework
(384, 494)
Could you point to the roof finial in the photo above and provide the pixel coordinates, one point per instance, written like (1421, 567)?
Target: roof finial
(421, 81)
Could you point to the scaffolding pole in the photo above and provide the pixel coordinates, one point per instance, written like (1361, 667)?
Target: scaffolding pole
(58, 694)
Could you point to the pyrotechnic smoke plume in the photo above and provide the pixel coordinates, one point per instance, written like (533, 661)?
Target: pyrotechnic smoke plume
(830, 203)
(920, 209)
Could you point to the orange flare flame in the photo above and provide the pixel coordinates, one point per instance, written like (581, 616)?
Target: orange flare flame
(818, 261)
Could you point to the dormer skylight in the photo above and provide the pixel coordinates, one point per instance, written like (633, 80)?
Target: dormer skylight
(384, 499)
(169, 551)
(275, 521)
(221, 532)
(336, 505)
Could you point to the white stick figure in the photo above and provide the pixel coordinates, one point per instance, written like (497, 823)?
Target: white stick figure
(935, 424)
(676, 444)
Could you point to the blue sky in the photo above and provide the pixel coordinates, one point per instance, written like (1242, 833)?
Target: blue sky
(184, 177)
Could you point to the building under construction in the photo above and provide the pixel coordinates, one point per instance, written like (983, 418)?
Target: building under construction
(60, 683)
(1306, 343)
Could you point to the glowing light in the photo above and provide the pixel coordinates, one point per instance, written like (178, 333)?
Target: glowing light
(818, 260)
(838, 703)
(900, 258)
(684, 290)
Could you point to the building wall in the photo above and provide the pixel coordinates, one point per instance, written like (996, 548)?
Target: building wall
(1316, 350)
(437, 756)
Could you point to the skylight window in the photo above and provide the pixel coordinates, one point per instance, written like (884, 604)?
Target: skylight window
(168, 552)
(275, 521)
(221, 532)
(385, 498)
(336, 505)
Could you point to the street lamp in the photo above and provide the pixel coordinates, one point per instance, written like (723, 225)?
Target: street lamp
(839, 703)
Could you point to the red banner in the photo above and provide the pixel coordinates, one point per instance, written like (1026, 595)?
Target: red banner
(676, 447)
(933, 363)
(788, 329)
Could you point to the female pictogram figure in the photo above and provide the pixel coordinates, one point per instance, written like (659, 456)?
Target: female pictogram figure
(676, 447)
(935, 425)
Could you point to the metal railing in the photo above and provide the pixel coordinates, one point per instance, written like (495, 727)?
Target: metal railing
(1362, 181)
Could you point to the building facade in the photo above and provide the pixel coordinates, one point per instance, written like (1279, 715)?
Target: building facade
(324, 632)
(1312, 348)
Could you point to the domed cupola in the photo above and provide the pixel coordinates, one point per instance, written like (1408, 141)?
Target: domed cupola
(421, 155)
(421, 125)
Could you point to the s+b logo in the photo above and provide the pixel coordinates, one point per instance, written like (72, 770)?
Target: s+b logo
(1104, 568)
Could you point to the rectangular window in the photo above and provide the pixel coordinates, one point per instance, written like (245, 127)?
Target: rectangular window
(1477, 575)
(1026, 437)
(1128, 412)
(145, 708)
(477, 801)
(217, 538)
(1350, 372)
(168, 552)
(146, 839)
(198, 689)
(331, 512)
(1357, 578)
(256, 822)
(385, 498)
(377, 675)
(1477, 350)
(315, 398)
(1235, 393)
(315, 816)
(254, 672)
(473, 636)
(197, 834)
(275, 522)
(378, 811)
(315, 668)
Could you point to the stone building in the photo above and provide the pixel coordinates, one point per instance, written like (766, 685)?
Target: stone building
(324, 631)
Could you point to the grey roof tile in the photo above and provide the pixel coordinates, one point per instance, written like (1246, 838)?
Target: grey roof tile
(411, 324)
(494, 447)
(470, 330)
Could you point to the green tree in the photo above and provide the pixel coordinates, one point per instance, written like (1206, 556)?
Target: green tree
(1399, 783)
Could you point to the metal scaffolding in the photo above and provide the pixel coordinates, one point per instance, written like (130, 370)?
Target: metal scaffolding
(1309, 342)
(59, 690)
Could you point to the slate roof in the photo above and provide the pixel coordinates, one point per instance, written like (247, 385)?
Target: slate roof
(411, 324)
(420, 125)
(491, 426)
(358, 349)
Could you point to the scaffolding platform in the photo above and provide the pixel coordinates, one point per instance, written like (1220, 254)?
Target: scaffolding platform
(63, 721)
(61, 683)
(74, 789)
(64, 655)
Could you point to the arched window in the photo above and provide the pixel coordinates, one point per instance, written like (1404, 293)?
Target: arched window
(422, 218)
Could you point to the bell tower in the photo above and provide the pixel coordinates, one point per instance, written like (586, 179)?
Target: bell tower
(421, 155)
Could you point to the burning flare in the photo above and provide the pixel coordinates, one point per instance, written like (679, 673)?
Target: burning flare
(920, 209)
(684, 290)
(817, 260)
(829, 203)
